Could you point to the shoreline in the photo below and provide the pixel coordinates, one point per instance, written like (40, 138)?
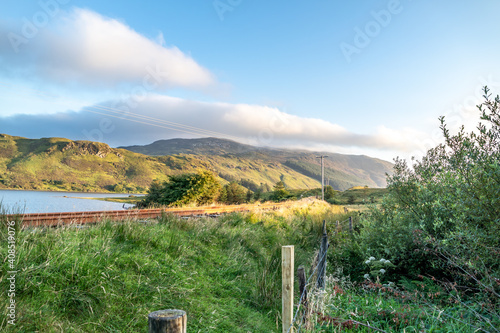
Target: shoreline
(66, 191)
(130, 200)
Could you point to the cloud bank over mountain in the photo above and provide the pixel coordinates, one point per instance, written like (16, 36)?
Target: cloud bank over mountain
(160, 117)
(84, 56)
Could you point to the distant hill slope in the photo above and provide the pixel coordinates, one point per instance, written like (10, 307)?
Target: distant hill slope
(343, 171)
(62, 164)
(205, 146)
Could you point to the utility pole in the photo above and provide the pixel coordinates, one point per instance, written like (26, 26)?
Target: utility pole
(322, 176)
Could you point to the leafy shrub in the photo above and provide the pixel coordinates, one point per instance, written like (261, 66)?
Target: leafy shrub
(200, 188)
(442, 215)
(235, 193)
(280, 193)
(329, 193)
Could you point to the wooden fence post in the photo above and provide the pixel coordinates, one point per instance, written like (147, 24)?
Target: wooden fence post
(167, 321)
(320, 282)
(350, 224)
(287, 272)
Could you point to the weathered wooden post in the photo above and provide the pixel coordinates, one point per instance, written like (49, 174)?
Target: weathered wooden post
(350, 225)
(167, 321)
(320, 282)
(287, 261)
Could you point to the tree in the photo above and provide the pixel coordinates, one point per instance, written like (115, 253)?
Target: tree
(249, 196)
(235, 193)
(206, 188)
(329, 193)
(199, 188)
(351, 199)
(222, 195)
(154, 195)
(280, 193)
(257, 194)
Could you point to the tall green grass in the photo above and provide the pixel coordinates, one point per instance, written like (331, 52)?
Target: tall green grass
(371, 306)
(225, 273)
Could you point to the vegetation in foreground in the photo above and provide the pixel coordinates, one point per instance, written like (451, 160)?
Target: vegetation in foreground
(428, 258)
(106, 278)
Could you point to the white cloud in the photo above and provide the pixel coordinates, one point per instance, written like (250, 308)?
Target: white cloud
(161, 117)
(84, 47)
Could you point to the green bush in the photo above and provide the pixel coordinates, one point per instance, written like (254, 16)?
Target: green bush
(348, 254)
(200, 188)
(235, 193)
(441, 217)
(329, 193)
(437, 236)
(280, 193)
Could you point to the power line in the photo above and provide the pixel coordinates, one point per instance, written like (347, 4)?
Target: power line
(167, 124)
(143, 122)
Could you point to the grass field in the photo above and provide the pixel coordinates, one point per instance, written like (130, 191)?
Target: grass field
(106, 278)
(225, 273)
(360, 196)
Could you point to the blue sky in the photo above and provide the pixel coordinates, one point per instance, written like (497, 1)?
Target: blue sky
(356, 77)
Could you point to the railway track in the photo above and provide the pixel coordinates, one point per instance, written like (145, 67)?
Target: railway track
(60, 219)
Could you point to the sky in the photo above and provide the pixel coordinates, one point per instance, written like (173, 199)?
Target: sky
(353, 77)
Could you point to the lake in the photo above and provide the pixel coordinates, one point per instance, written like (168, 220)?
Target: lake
(54, 202)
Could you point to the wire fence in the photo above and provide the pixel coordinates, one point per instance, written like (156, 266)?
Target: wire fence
(311, 274)
(300, 320)
(317, 265)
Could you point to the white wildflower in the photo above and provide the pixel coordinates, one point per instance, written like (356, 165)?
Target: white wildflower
(382, 260)
(387, 262)
(367, 262)
(371, 258)
(366, 276)
(382, 271)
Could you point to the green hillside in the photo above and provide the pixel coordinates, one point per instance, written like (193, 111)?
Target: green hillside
(343, 171)
(62, 164)
(205, 146)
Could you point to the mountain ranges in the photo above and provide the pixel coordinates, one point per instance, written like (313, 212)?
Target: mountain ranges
(66, 165)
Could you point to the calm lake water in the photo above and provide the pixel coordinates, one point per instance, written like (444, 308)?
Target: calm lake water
(53, 202)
